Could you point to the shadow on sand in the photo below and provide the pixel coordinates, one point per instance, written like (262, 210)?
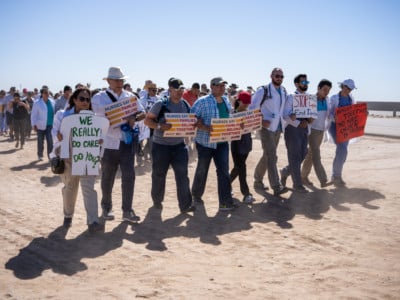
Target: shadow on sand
(65, 256)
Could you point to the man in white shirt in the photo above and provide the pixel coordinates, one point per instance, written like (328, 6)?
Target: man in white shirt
(117, 150)
(42, 117)
(271, 100)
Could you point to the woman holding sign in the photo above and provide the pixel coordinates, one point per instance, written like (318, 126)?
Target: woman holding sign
(342, 99)
(240, 151)
(80, 100)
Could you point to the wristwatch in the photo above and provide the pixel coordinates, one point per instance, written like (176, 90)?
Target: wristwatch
(158, 126)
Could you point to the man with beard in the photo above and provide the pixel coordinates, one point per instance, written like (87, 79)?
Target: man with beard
(296, 137)
(271, 100)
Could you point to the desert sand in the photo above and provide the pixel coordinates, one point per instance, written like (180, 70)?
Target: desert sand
(328, 244)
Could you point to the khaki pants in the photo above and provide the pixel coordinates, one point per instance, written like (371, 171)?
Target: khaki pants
(70, 192)
(313, 157)
(269, 159)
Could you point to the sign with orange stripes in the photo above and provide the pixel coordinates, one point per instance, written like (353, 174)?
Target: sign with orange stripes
(117, 112)
(182, 125)
(231, 129)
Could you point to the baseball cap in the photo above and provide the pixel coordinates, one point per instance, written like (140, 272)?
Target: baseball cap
(349, 83)
(176, 84)
(217, 81)
(245, 97)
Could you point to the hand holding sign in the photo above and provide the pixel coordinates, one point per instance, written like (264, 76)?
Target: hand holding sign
(83, 131)
(350, 121)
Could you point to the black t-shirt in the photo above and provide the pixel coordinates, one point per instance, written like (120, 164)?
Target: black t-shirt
(19, 112)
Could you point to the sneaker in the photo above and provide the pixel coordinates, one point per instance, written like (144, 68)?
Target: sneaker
(130, 216)
(95, 227)
(108, 215)
(259, 185)
(306, 181)
(227, 207)
(284, 177)
(338, 181)
(249, 199)
(189, 209)
(16, 144)
(300, 189)
(326, 184)
(40, 158)
(281, 190)
(67, 222)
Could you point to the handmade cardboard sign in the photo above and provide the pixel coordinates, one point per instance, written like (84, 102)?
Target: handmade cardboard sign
(117, 112)
(82, 132)
(350, 121)
(182, 125)
(305, 106)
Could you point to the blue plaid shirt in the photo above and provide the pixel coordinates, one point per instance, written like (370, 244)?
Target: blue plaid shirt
(206, 109)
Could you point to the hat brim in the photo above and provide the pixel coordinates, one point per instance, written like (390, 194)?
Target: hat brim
(116, 78)
(351, 88)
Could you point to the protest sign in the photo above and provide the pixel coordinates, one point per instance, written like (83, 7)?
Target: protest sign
(251, 119)
(83, 131)
(231, 129)
(116, 112)
(182, 125)
(350, 121)
(305, 106)
(224, 130)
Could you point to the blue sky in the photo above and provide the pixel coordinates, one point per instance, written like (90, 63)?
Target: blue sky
(66, 42)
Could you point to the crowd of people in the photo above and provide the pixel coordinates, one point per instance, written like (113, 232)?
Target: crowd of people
(143, 137)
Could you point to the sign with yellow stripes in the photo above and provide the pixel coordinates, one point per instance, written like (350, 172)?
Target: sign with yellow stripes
(182, 125)
(117, 112)
(231, 129)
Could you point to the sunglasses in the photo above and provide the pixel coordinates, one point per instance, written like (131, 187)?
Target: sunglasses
(279, 76)
(83, 99)
(153, 90)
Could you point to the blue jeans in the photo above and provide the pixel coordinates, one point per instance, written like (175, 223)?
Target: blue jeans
(340, 155)
(176, 156)
(296, 140)
(112, 159)
(2, 122)
(221, 161)
(41, 135)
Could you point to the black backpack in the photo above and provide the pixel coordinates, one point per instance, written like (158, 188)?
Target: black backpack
(267, 94)
(164, 108)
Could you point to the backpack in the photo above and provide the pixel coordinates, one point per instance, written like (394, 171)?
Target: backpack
(267, 94)
(164, 108)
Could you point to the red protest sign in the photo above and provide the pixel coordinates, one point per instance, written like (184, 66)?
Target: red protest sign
(350, 121)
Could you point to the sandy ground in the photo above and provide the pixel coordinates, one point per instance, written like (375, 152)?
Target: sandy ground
(328, 244)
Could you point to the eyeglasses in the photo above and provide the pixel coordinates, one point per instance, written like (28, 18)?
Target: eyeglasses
(83, 99)
(279, 76)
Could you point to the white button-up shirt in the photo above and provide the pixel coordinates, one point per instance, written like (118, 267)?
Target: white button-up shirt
(99, 101)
